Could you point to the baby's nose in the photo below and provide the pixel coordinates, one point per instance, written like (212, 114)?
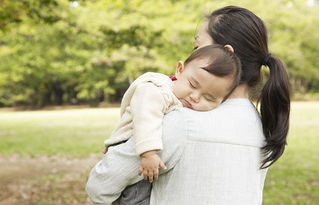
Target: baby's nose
(195, 97)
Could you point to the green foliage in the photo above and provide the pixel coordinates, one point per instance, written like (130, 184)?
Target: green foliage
(60, 51)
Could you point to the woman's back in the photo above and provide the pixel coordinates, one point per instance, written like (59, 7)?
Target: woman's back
(220, 158)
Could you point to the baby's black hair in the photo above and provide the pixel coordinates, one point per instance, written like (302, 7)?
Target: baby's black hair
(223, 63)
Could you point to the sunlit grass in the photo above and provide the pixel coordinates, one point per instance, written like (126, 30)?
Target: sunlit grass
(293, 180)
(76, 132)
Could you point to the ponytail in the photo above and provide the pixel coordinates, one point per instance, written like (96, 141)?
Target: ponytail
(248, 36)
(274, 108)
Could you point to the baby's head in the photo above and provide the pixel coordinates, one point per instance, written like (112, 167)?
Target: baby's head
(207, 77)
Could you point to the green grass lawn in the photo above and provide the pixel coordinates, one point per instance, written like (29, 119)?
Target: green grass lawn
(76, 132)
(293, 180)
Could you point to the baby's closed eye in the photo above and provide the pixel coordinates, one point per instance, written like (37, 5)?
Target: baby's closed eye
(191, 84)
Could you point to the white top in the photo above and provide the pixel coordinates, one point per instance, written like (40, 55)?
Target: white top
(212, 158)
(143, 107)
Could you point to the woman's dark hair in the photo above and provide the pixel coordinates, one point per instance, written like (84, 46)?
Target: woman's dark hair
(222, 63)
(247, 34)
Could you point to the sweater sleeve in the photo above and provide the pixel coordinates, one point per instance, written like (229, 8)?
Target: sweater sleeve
(147, 105)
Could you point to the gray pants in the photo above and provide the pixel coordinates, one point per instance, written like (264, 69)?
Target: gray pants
(136, 194)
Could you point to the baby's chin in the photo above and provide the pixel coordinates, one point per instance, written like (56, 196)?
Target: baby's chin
(188, 105)
(198, 109)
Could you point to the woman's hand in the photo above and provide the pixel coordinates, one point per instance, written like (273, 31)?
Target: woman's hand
(150, 164)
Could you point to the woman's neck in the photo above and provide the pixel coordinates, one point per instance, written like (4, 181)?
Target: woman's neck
(241, 91)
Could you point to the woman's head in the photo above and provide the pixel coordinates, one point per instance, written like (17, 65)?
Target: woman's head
(207, 77)
(247, 34)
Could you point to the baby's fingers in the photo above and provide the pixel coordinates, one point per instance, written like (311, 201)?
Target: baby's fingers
(145, 174)
(140, 170)
(156, 174)
(150, 176)
(105, 150)
(162, 165)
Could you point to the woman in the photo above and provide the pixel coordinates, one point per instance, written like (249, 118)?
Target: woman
(221, 156)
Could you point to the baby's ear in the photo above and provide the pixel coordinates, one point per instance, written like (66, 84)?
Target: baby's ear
(179, 68)
(229, 48)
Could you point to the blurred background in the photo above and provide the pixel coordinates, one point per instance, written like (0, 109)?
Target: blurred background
(64, 66)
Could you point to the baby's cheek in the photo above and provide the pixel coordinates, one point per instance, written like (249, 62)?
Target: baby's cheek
(179, 89)
(176, 91)
(212, 105)
(204, 106)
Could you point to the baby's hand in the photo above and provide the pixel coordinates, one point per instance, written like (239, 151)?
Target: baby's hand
(105, 150)
(150, 163)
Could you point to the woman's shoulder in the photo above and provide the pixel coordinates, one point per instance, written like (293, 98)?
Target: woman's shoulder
(230, 108)
(236, 121)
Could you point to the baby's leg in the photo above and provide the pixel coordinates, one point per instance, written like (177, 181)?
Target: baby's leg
(136, 194)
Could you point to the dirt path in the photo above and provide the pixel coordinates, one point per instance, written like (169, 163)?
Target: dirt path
(44, 180)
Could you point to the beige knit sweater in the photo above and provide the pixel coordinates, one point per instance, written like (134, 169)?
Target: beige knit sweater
(143, 106)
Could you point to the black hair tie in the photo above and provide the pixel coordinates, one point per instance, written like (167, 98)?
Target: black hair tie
(266, 59)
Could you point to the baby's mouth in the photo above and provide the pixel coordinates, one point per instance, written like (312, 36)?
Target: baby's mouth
(187, 104)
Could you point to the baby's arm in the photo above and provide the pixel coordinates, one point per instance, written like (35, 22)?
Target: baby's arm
(147, 107)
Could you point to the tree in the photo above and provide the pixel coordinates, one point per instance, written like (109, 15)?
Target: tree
(60, 51)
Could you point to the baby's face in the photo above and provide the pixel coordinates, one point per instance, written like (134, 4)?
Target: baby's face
(198, 89)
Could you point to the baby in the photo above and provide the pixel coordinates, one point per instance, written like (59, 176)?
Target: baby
(202, 82)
